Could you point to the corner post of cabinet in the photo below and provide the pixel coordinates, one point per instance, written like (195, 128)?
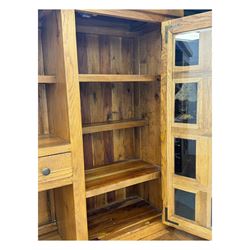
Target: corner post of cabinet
(67, 72)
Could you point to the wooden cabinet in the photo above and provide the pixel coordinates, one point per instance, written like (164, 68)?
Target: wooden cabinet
(102, 124)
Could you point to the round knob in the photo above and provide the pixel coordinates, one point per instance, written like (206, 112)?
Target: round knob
(46, 171)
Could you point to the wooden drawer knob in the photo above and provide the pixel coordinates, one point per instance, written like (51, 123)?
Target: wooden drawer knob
(46, 171)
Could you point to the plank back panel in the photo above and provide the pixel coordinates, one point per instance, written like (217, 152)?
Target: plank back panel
(101, 54)
(107, 54)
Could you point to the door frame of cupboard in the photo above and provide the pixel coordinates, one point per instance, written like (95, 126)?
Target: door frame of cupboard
(201, 131)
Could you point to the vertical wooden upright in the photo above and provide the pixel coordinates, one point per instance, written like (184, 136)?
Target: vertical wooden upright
(71, 200)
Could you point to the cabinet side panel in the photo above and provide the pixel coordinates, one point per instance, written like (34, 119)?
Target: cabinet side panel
(150, 53)
(149, 108)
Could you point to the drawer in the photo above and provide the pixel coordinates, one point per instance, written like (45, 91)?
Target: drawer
(54, 171)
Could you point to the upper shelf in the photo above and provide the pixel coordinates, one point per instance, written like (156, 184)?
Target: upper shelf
(155, 16)
(119, 175)
(117, 78)
(49, 145)
(112, 125)
(46, 79)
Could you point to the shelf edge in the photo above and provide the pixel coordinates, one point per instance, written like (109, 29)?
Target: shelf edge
(46, 79)
(123, 184)
(116, 78)
(114, 125)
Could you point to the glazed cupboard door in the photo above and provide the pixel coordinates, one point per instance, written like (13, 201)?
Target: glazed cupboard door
(186, 123)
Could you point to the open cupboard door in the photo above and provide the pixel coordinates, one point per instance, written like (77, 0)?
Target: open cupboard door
(186, 123)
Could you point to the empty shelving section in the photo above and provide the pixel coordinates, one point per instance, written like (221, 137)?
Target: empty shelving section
(119, 68)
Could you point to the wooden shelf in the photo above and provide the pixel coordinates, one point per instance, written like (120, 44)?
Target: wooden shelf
(119, 175)
(46, 79)
(112, 125)
(130, 219)
(50, 144)
(129, 14)
(123, 220)
(49, 232)
(51, 236)
(116, 78)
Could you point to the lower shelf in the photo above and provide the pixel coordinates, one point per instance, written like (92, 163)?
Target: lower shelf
(50, 236)
(132, 219)
(119, 175)
(120, 220)
(49, 232)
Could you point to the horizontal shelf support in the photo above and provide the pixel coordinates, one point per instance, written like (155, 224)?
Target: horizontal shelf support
(105, 31)
(114, 125)
(129, 14)
(49, 79)
(46, 79)
(117, 78)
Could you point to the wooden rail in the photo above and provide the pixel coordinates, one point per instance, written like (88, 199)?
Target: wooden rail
(112, 125)
(46, 79)
(116, 78)
(129, 14)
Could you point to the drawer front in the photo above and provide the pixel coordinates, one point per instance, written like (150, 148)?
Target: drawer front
(54, 171)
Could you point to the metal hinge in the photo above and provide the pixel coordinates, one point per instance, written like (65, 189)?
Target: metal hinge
(166, 218)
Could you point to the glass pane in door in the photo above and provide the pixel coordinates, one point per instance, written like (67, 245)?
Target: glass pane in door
(185, 204)
(185, 157)
(185, 107)
(187, 49)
